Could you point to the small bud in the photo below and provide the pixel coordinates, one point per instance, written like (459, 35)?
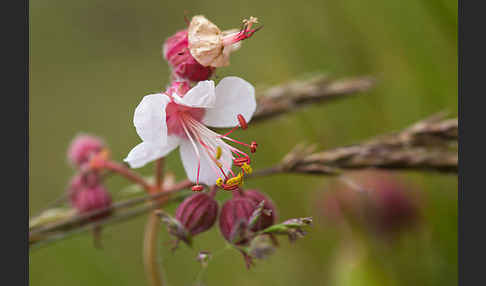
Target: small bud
(234, 218)
(91, 199)
(388, 207)
(83, 148)
(197, 213)
(393, 207)
(184, 66)
(80, 182)
(269, 214)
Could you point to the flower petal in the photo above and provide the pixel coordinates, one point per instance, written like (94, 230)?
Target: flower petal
(209, 172)
(146, 152)
(202, 95)
(233, 96)
(149, 118)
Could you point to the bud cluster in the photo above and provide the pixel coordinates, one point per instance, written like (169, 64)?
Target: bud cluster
(237, 221)
(86, 191)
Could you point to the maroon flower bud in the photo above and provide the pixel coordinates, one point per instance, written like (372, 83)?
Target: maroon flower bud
(82, 148)
(234, 217)
(92, 198)
(385, 205)
(197, 213)
(269, 214)
(393, 206)
(184, 66)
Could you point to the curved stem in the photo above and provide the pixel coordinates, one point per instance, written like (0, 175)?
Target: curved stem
(159, 169)
(150, 251)
(127, 173)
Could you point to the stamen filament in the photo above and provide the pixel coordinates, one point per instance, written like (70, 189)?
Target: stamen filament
(196, 149)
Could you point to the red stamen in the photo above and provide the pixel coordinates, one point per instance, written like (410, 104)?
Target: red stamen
(229, 132)
(236, 141)
(240, 161)
(229, 188)
(197, 188)
(253, 146)
(242, 122)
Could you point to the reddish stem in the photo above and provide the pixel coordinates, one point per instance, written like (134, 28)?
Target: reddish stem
(127, 173)
(159, 168)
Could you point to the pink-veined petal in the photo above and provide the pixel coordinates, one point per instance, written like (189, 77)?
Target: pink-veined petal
(202, 95)
(147, 152)
(233, 96)
(149, 118)
(209, 172)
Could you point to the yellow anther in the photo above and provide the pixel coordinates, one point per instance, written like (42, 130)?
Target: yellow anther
(247, 168)
(237, 180)
(219, 182)
(218, 164)
(219, 152)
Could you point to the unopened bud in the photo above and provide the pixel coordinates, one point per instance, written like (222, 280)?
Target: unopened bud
(234, 218)
(197, 213)
(83, 148)
(269, 213)
(184, 65)
(91, 199)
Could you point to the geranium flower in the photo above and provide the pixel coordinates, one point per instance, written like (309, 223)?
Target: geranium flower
(180, 118)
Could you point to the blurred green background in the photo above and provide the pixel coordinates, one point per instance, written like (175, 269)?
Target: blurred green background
(92, 61)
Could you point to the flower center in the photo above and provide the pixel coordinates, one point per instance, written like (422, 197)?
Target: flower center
(210, 144)
(175, 114)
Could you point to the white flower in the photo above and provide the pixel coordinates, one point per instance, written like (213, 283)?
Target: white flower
(165, 121)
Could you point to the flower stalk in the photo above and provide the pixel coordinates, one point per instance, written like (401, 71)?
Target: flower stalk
(128, 174)
(150, 249)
